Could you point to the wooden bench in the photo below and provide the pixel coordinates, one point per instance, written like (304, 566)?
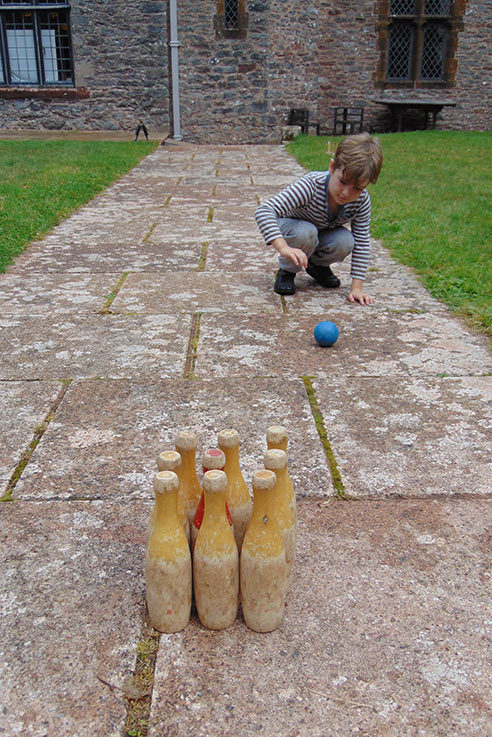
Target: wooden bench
(348, 120)
(300, 117)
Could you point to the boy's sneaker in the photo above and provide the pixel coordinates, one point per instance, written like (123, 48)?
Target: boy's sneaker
(284, 283)
(323, 275)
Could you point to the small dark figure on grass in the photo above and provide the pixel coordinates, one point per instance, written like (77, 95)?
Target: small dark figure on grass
(141, 127)
(305, 221)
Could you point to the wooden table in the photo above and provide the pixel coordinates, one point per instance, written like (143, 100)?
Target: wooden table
(399, 107)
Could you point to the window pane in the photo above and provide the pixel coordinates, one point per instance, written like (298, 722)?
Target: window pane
(402, 7)
(2, 76)
(16, 2)
(433, 47)
(437, 7)
(231, 15)
(20, 47)
(48, 41)
(400, 52)
(55, 43)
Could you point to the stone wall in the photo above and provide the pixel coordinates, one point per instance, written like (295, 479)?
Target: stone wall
(347, 56)
(289, 53)
(315, 55)
(241, 89)
(473, 92)
(121, 73)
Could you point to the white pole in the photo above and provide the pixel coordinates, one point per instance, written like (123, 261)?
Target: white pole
(174, 45)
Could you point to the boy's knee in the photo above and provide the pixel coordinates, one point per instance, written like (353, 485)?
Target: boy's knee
(308, 234)
(299, 234)
(339, 244)
(344, 242)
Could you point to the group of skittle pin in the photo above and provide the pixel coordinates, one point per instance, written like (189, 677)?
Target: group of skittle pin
(213, 540)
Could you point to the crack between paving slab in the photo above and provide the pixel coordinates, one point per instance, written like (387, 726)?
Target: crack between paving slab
(203, 256)
(191, 353)
(38, 434)
(137, 689)
(320, 426)
(210, 215)
(148, 234)
(113, 294)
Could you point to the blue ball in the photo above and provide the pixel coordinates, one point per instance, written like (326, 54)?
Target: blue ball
(326, 333)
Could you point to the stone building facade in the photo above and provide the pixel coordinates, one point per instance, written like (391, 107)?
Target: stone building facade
(95, 65)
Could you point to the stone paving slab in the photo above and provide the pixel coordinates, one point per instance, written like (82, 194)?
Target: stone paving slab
(418, 437)
(190, 292)
(62, 243)
(72, 607)
(106, 435)
(392, 285)
(24, 406)
(178, 224)
(152, 197)
(55, 294)
(112, 222)
(406, 344)
(238, 231)
(159, 170)
(202, 192)
(386, 633)
(112, 230)
(387, 629)
(120, 206)
(246, 195)
(226, 202)
(79, 257)
(245, 255)
(88, 346)
(218, 214)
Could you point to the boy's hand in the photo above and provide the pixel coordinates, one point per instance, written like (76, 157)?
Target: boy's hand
(295, 255)
(357, 293)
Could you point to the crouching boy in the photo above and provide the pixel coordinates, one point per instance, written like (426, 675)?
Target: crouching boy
(305, 221)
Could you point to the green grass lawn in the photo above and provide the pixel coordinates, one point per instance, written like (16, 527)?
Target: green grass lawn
(431, 209)
(42, 182)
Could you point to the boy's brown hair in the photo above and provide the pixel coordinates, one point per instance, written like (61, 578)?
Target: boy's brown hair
(360, 158)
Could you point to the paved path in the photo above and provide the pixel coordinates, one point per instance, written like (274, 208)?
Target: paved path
(151, 309)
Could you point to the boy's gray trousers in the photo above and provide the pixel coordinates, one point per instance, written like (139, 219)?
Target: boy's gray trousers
(322, 247)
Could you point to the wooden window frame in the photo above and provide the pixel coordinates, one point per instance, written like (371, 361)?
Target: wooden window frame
(452, 22)
(36, 9)
(219, 21)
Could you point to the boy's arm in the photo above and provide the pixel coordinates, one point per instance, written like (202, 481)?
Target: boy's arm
(360, 226)
(282, 205)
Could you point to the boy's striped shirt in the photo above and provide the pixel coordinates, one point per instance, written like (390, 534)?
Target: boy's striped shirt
(306, 199)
